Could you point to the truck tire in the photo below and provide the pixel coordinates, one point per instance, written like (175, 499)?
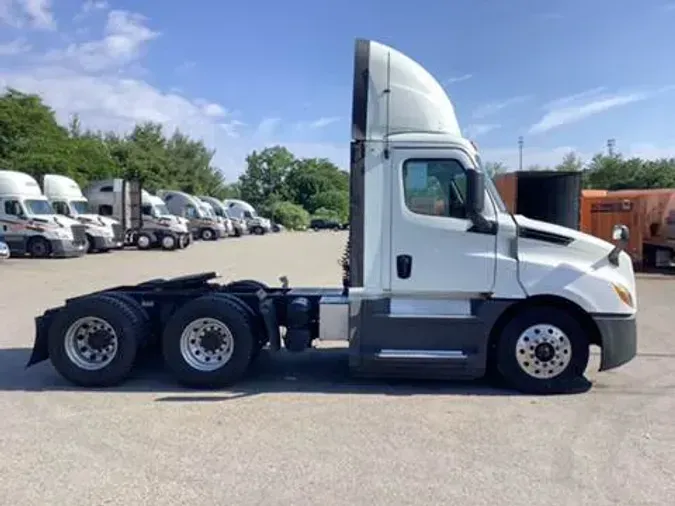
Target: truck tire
(258, 230)
(91, 247)
(542, 350)
(169, 243)
(143, 241)
(207, 234)
(93, 341)
(208, 342)
(39, 247)
(145, 331)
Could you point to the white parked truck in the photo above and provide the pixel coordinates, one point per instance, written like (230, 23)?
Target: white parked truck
(221, 224)
(202, 226)
(220, 211)
(66, 197)
(442, 281)
(30, 225)
(246, 212)
(157, 216)
(123, 201)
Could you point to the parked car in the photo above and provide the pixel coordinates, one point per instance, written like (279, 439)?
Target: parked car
(4, 249)
(324, 224)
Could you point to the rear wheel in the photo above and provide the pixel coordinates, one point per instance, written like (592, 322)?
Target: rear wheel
(93, 341)
(208, 342)
(169, 243)
(543, 350)
(39, 247)
(258, 230)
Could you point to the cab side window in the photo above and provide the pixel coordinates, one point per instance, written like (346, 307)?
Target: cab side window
(13, 208)
(146, 210)
(190, 211)
(435, 187)
(105, 210)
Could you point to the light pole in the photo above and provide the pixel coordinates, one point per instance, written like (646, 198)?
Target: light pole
(610, 146)
(521, 142)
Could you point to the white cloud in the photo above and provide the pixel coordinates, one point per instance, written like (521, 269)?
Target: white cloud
(457, 79)
(267, 127)
(17, 46)
(478, 129)
(125, 35)
(102, 82)
(584, 105)
(38, 13)
(492, 108)
(324, 122)
(90, 7)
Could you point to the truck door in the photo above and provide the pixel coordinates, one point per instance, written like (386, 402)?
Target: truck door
(436, 251)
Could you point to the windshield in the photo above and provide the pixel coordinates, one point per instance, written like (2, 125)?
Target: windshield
(161, 210)
(38, 207)
(81, 206)
(206, 211)
(492, 189)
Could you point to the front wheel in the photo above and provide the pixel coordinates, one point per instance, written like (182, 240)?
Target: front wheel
(542, 350)
(208, 234)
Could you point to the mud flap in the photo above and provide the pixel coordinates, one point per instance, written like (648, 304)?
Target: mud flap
(40, 351)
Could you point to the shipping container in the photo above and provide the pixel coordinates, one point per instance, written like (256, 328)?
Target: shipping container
(550, 196)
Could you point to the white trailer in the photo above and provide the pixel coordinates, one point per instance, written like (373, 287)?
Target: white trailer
(66, 197)
(30, 225)
(244, 211)
(442, 281)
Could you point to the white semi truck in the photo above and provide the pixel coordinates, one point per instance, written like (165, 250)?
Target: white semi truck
(246, 212)
(30, 225)
(202, 226)
(123, 201)
(67, 199)
(221, 212)
(441, 280)
(156, 216)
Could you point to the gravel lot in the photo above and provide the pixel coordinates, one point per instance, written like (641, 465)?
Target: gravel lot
(300, 432)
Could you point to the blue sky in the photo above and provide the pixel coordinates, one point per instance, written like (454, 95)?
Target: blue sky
(567, 75)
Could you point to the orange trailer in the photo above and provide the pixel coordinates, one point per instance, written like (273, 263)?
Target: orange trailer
(649, 214)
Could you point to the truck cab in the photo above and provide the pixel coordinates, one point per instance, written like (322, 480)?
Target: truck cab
(244, 211)
(157, 216)
(440, 281)
(220, 211)
(29, 223)
(202, 226)
(210, 212)
(66, 197)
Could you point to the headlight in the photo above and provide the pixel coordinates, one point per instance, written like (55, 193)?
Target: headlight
(624, 294)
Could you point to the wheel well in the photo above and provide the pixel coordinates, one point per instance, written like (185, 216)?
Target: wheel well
(550, 301)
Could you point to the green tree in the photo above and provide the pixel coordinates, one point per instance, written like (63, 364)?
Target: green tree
(291, 216)
(263, 182)
(570, 163)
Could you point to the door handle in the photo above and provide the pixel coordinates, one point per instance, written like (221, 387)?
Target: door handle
(404, 266)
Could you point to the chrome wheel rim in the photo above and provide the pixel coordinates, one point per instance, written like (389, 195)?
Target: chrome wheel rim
(143, 241)
(206, 344)
(168, 242)
(543, 351)
(91, 343)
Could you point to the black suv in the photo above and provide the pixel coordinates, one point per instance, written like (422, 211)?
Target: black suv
(322, 224)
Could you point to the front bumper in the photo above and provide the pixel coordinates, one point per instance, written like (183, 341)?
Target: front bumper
(618, 337)
(67, 249)
(105, 243)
